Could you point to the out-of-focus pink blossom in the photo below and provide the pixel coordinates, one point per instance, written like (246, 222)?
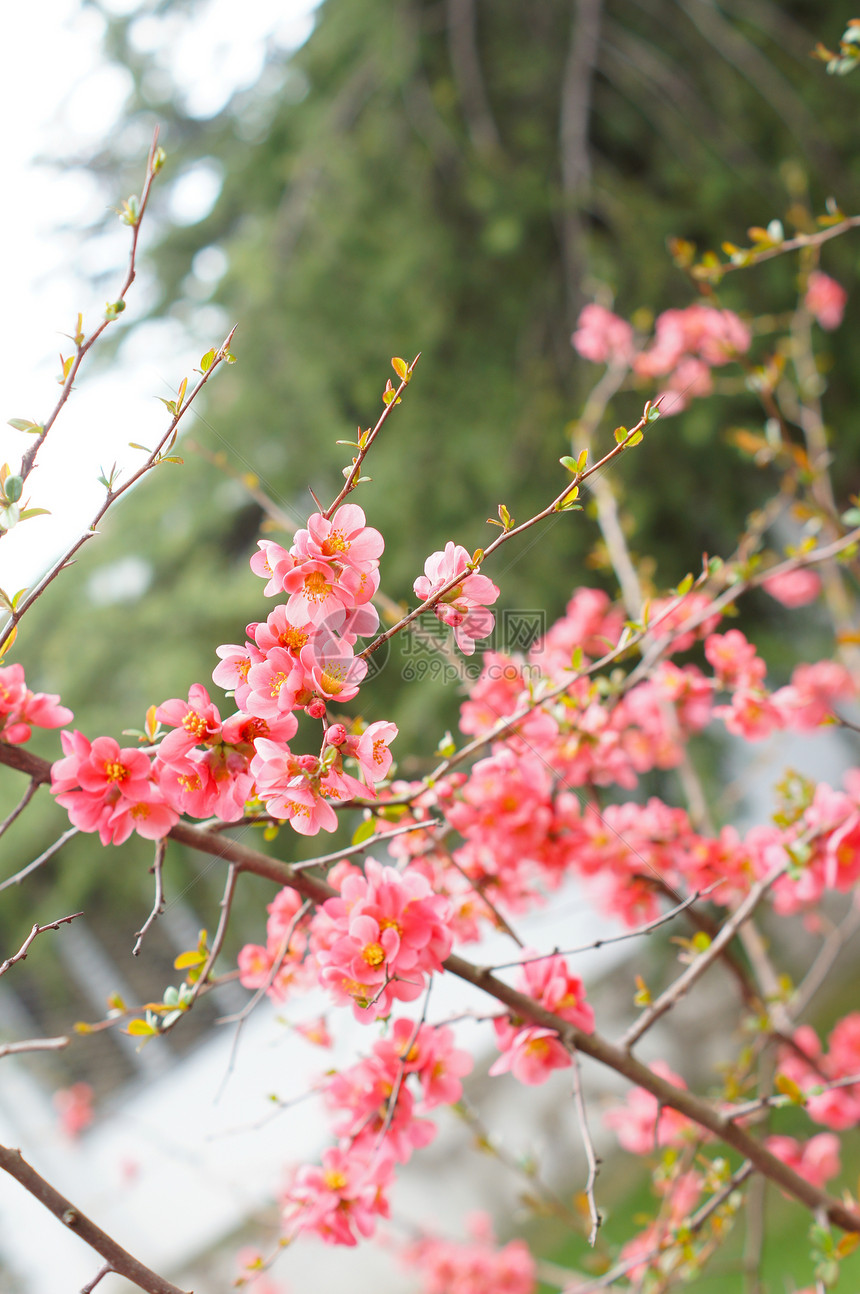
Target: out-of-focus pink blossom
(793, 588)
(603, 337)
(825, 299)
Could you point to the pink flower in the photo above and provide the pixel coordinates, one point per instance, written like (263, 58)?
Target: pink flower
(383, 935)
(825, 299)
(346, 539)
(196, 723)
(793, 588)
(371, 750)
(642, 1124)
(815, 1160)
(464, 605)
(22, 710)
(603, 337)
(74, 1106)
(341, 1200)
(476, 1266)
(531, 1055)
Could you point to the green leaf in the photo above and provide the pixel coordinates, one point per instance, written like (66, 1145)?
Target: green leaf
(34, 512)
(26, 424)
(570, 463)
(206, 360)
(363, 831)
(620, 434)
(401, 368)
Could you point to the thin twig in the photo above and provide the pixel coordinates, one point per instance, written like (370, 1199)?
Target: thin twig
(33, 1044)
(614, 939)
(100, 1274)
(695, 1224)
(37, 930)
(696, 969)
(82, 346)
(158, 904)
(112, 494)
(241, 1016)
(552, 509)
(590, 1154)
(218, 940)
(376, 838)
(19, 807)
(43, 858)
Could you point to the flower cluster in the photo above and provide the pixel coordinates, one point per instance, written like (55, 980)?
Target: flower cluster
(687, 344)
(813, 1069)
(22, 710)
(377, 1106)
(531, 1053)
(477, 1266)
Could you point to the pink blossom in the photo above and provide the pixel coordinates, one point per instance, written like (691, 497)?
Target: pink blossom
(195, 723)
(370, 748)
(603, 337)
(387, 931)
(346, 539)
(22, 710)
(815, 1160)
(793, 588)
(463, 607)
(642, 1124)
(813, 693)
(340, 1201)
(476, 1266)
(825, 300)
(74, 1106)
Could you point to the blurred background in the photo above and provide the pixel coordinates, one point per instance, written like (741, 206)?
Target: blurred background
(345, 182)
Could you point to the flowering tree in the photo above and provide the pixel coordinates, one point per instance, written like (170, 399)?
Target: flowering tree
(542, 790)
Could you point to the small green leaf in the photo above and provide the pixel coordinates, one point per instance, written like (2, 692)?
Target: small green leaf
(132, 444)
(13, 488)
(26, 424)
(170, 405)
(207, 360)
(635, 439)
(570, 463)
(401, 368)
(34, 512)
(363, 832)
(620, 434)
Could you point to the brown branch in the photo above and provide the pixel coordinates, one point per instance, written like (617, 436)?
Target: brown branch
(119, 1259)
(37, 930)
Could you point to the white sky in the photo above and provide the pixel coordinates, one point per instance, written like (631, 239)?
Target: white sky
(57, 99)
